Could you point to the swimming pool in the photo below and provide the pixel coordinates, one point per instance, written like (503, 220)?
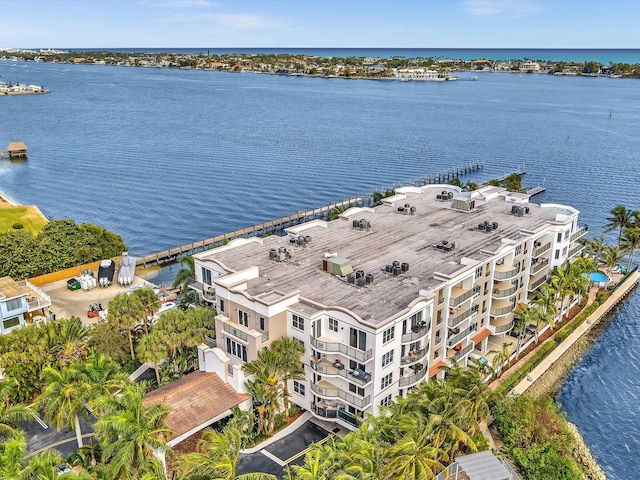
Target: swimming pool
(597, 277)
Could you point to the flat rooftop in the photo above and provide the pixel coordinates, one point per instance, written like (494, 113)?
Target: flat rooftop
(393, 236)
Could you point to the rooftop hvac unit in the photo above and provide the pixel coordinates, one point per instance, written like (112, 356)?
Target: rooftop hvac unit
(404, 267)
(307, 238)
(282, 249)
(413, 210)
(514, 209)
(360, 281)
(388, 268)
(351, 278)
(401, 209)
(406, 205)
(355, 224)
(292, 240)
(495, 225)
(359, 273)
(282, 256)
(397, 270)
(368, 278)
(396, 263)
(273, 253)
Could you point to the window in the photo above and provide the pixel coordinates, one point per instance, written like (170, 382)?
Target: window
(487, 270)
(486, 288)
(386, 380)
(439, 317)
(416, 319)
(206, 276)
(243, 318)
(566, 235)
(333, 324)
(236, 349)
(262, 323)
(298, 322)
(518, 250)
(564, 251)
(388, 334)
(222, 305)
(559, 237)
(230, 370)
(478, 272)
(13, 304)
(299, 388)
(10, 322)
(557, 256)
(387, 358)
(357, 390)
(358, 339)
(386, 401)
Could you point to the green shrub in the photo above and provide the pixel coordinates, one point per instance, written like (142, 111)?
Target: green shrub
(601, 296)
(523, 371)
(18, 226)
(570, 327)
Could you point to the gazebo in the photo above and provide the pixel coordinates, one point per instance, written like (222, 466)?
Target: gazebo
(17, 150)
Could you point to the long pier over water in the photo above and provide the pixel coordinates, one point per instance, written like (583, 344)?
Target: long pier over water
(275, 226)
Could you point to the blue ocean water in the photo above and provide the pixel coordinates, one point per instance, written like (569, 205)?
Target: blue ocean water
(168, 157)
(604, 56)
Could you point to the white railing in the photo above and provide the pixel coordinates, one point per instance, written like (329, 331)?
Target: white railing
(464, 351)
(540, 250)
(539, 266)
(496, 312)
(453, 322)
(502, 275)
(577, 234)
(575, 250)
(454, 302)
(411, 379)
(361, 379)
(413, 336)
(332, 347)
(497, 293)
(451, 341)
(235, 332)
(356, 401)
(414, 356)
(537, 283)
(502, 328)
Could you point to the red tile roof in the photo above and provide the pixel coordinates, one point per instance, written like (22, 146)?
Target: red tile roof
(481, 335)
(435, 368)
(194, 399)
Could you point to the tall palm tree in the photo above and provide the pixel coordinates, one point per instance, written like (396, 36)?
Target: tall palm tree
(501, 359)
(153, 349)
(612, 255)
(187, 273)
(64, 398)
(125, 312)
(130, 433)
(595, 247)
(102, 376)
(67, 339)
(630, 243)
(620, 218)
(289, 353)
(150, 304)
(11, 413)
(219, 460)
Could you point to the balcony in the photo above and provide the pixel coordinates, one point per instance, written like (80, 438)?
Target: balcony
(501, 325)
(541, 249)
(504, 272)
(415, 377)
(265, 337)
(503, 289)
(206, 291)
(536, 283)
(331, 410)
(575, 250)
(326, 389)
(36, 299)
(453, 322)
(325, 367)
(415, 334)
(459, 295)
(236, 332)
(328, 346)
(501, 307)
(464, 351)
(579, 233)
(539, 266)
(451, 341)
(414, 357)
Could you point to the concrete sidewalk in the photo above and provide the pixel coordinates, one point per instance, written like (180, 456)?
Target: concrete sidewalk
(594, 318)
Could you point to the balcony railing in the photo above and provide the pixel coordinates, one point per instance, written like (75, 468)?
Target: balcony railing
(576, 250)
(411, 379)
(455, 321)
(455, 301)
(496, 312)
(578, 233)
(413, 336)
(361, 378)
(451, 341)
(541, 249)
(356, 401)
(504, 274)
(539, 266)
(265, 337)
(537, 283)
(502, 328)
(497, 293)
(235, 332)
(324, 411)
(415, 356)
(333, 347)
(464, 351)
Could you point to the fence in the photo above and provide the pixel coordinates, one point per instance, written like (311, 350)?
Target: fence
(68, 272)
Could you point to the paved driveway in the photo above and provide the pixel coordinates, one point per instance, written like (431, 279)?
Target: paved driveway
(39, 438)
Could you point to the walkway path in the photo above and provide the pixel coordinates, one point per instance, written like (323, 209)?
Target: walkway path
(594, 318)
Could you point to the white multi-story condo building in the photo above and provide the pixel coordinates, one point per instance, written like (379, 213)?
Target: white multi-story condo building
(383, 297)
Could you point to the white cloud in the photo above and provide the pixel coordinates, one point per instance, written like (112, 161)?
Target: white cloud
(237, 21)
(187, 4)
(507, 8)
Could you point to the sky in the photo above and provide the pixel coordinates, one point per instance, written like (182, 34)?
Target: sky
(320, 23)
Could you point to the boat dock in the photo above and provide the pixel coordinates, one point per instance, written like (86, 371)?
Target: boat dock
(15, 150)
(275, 226)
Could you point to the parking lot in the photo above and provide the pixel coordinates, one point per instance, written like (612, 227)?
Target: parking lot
(66, 303)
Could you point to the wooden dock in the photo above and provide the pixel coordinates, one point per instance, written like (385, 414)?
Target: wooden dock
(275, 226)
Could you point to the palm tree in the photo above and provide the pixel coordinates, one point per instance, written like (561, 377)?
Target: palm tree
(182, 330)
(67, 339)
(187, 273)
(620, 218)
(150, 304)
(501, 359)
(219, 460)
(595, 247)
(130, 433)
(612, 255)
(125, 312)
(289, 353)
(64, 398)
(10, 413)
(102, 376)
(523, 315)
(153, 350)
(630, 243)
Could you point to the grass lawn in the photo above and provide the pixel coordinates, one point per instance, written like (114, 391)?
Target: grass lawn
(28, 216)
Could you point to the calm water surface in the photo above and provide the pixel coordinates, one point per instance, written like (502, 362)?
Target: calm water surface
(168, 157)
